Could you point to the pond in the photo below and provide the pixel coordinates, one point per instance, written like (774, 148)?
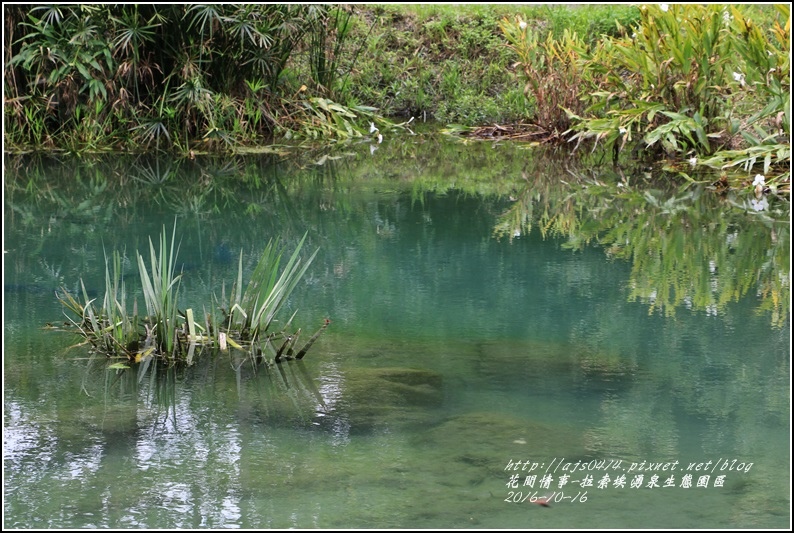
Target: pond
(508, 325)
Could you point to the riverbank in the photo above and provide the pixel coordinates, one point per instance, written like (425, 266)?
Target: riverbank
(199, 79)
(127, 78)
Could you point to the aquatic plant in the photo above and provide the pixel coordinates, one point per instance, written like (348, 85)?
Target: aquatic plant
(161, 294)
(168, 334)
(251, 311)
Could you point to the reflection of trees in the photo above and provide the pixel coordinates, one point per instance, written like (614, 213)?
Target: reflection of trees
(417, 224)
(689, 249)
(61, 212)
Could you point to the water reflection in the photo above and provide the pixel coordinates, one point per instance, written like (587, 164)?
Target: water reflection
(693, 250)
(488, 304)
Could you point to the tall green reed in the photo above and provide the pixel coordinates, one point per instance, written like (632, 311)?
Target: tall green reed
(107, 327)
(160, 292)
(252, 310)
(167, 334)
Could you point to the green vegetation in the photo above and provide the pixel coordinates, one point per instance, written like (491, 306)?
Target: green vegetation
(170, 335)
(183, 77)
(450, 62)
(702, 82)
(674, 263)
(688, 247)
(221, 77)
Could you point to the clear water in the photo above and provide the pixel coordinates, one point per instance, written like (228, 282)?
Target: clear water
(453, 355)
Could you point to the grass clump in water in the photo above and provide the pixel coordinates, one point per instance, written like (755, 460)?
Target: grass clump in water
(171, 335)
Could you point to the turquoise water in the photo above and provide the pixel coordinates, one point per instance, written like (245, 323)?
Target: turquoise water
(454, 354)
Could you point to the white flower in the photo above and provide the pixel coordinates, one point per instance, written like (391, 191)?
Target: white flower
(759, 180)
(622, 130)
(372, 128)
(738, 76)
(693, 161)
(664, 7)
(522, 25)
(380, 138)
(759, 205)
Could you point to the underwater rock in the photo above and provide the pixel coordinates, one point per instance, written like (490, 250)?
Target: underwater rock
(475, 447)
(385, 397)
(546, 367)
(393, 387)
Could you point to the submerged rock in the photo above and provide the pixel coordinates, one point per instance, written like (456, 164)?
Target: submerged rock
(387, 397)
(475, 447)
